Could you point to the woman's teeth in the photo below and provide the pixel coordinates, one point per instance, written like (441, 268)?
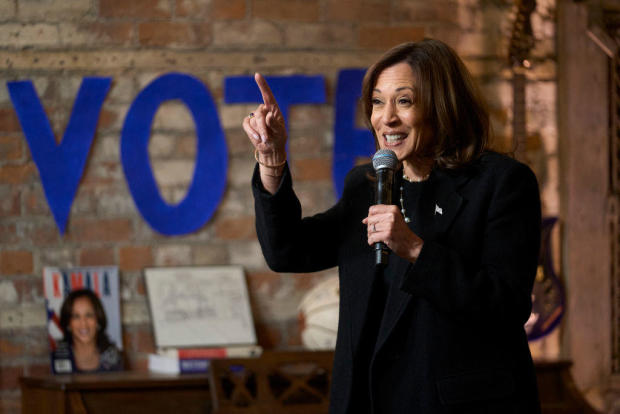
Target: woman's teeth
(391, 138)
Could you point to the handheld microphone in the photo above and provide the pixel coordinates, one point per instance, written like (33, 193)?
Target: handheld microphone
(384, 162)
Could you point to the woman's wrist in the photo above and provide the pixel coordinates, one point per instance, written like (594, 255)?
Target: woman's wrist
(414, 253)
(271, 163)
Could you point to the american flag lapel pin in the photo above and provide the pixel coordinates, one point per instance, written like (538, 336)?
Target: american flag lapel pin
(438, 210)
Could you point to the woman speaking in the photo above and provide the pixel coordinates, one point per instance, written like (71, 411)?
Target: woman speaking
(440, 328)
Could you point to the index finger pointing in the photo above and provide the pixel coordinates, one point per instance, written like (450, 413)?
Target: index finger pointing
(265, 90)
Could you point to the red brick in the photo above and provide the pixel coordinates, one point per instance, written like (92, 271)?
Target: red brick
(17, 174)
(45, 235)
(142, 9)
(384, 37)
(107, 119)
(313, 169)
(144, 340)
(237, 228)
(102, 173)
(266, 282)
(16, 262)
(9, 348)
(238, 142)
(356, 10)
(501, 143)
(89, 230)
(28, 289)
(139, 339)
(8, 233)
(169, 33)
(192, 8)
(99, 256)
(293, 10)
(268, 335)
(11, 148)
(10, 202)
(306, 144)
(135, 257)
(9, 377)
(140, 286)
(174, 34)
(24, 342)
(228, 9)
(35, 201)
(438, 11)
(9, 121)
(203, 34)
(306, 281)
(137, 362)
(293, 334)
(108, 33)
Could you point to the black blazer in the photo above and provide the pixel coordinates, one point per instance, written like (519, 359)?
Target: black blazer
(452, 337)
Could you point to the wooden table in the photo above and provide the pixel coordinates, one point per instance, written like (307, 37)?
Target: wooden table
(277, 382)
(116, 393)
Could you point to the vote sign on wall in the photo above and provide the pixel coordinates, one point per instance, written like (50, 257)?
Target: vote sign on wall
(61, 166)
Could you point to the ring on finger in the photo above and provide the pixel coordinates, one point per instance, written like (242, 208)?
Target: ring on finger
(251, 115)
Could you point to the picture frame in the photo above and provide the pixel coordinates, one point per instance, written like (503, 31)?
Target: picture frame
(199, 306)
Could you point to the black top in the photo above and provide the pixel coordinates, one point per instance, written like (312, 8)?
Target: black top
(451, 338)
(384, 278)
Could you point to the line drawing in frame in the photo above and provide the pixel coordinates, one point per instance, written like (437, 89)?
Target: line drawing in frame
(199, 306)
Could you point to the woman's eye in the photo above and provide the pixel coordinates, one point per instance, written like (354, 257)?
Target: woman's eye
(376, 101)
(405, 101)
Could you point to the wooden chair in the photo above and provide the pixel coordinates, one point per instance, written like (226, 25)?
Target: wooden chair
(278, 382)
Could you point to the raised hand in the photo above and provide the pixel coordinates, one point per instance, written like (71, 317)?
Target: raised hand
(265, 125)
(266, 130)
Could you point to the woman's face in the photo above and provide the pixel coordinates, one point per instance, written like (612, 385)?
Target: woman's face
(83, 321)
(395, 116)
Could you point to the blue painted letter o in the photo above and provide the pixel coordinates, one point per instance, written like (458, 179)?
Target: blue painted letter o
(209, 179)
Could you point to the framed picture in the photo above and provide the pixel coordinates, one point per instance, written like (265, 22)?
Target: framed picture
(58, 285)
(199, 306)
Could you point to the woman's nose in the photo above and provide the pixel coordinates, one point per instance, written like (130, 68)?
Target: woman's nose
(389, 114)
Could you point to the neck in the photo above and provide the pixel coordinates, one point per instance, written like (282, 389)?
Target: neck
(81, 347)
(418, 169)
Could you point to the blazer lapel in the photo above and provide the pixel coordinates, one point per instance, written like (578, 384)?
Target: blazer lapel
(438, 206)
(397, 301)
(440, 202)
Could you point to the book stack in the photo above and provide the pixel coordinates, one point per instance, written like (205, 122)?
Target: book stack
(196, 360)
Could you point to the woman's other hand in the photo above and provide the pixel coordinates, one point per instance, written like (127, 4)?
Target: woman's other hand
(266, 130)
(386, 224)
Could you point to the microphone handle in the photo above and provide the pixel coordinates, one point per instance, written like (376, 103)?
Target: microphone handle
(385, 180)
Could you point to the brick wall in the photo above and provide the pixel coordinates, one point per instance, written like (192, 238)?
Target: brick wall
(55, 43)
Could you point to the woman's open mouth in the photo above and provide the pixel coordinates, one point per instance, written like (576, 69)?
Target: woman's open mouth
(394, 139)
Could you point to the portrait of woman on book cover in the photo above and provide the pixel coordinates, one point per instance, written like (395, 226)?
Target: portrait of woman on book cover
(85, 346)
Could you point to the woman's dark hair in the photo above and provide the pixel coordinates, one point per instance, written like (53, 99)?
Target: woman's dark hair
(446, 97)
(102, 322)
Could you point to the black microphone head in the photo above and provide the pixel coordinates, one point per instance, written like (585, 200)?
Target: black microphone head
(384, 158)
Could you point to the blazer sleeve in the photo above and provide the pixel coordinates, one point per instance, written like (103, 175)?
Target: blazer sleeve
(289, 242)
(500, 285)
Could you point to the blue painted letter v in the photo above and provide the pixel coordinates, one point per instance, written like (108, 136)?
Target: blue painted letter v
(60, 166)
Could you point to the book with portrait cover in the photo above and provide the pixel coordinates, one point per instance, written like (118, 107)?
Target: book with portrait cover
(103, 282)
